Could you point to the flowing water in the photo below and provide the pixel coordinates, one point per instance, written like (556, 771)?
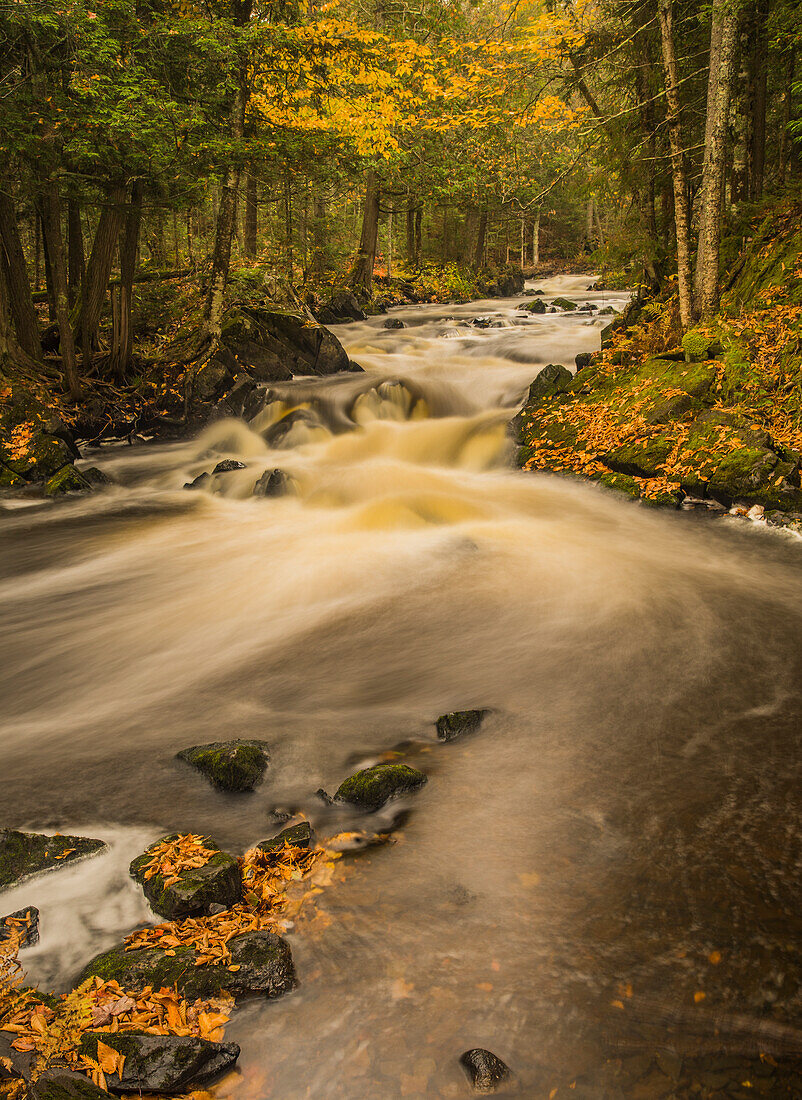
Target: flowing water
(602, 885)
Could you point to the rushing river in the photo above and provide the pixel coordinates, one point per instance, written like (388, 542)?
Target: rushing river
(603, 885)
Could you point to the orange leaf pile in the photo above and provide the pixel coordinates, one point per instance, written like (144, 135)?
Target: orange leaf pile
(171, 857)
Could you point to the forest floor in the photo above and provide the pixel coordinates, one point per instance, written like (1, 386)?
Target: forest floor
(714, 417)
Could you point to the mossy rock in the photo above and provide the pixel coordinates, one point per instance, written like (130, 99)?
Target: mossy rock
(24, 923)
(538, 306)
(565, 303)
(640, 458)
(264, 960)
(370, 788)
(695, 379)
(459, 722)
(218, 882)
(63, 1085)
(301, 835)
(667, 410)
(696, 346)
(24, 854)
(622, 483)
(230, 765)
(161, 1063)
(553, 378)
(67, 480)
(756, 476)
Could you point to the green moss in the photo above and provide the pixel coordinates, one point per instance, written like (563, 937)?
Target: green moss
(622, 483)
(370, 788)
(696, 346)
(23, 854)
(67, 480)
(458, 722)
(641, 458)
(564, 303)
(230, 765)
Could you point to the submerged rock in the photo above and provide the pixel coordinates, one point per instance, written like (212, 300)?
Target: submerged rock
(370, 788)
(200, 482)
(161, 1063)
(458, 722)
(485, 1070)
(192, 891)
(394, 322)
(537, 306)
(227, 466)
(230, 765)
(263, 958)
(24, 923)
(23, 854)
(67, 480)
(564, 303)
(301, 835)
(272, 483)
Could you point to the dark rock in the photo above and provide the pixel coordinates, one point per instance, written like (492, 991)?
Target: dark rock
(23, 854)
(454, 725)
(227, 465)
(195, 888)
(584, 359)
(535, 307)
(370, 788)
(236, 400)
(608, 311)
(274, 346)
(24, 923)
(264, 961)
(161, 1063)
(553, 378)
(482, 322)
(301, 835)
(564, 303)
(485, 1071)
(230, 765)
(67, 480)
(276, 433)
(642, 458)
(215, 376)
(324, 797)
(63, 1085)
(96, 478)
(342, 307)
(272, 483)
(200, 482)
(394, 322)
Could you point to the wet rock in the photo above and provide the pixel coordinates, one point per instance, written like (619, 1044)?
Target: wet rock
(272, 483)
(482, 322)
(214, 377)
(357, 840)
(324, 797)
(63, 1085)
(24, 854)
(264, 960)
(553, 378)
(459, 722)
(227, 465)
(485, 1070)
(67, 480)
(161, 1063)
(200, 482)
(608, 311)
(276, 434)
(301, 835)
(276, 345)
(584, 359)
(394, 322)
(792, 520)
(370, 788)
(535, 307)
(640, 458)
(194, 889)
(565, 304)
(24, 923)
(230, 765)
(343, 306)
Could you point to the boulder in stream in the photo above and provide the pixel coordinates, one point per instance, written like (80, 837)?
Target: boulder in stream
(370, 788)
(61, 1084)
(161, 1063)
(200, 482)
(230, 765)
(458, 722)
(24, 924)
(272, 483)
(264, 961)
(393, 323)
(485, 1070)
(24, 854)
(538, 306)
(67, 480)
(228, 465)
(192, 891)
(275, 345)
(565, 304)
(301, 835)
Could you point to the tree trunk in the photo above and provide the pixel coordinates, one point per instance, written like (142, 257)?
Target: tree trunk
(410, 233)
(122, 296)
(289, 259)
(723, 38)
(251, 216)
(51, 228)
(98, 269)
(678, 168)
(785, 122)
(418, 235)
(758, 78)
(318, 264)
(536, 241)
(481, 237)
(75, 250)
(15, 269)
(361, 278)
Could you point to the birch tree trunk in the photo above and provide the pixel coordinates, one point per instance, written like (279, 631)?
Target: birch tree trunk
(723, 38)
(678, 168)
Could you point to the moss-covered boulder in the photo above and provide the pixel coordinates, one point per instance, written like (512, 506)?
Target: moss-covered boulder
(459, 722)
(64, 1085)
(67, 480)
(24, 854)
(262, 961)
(641, 457)
(538, 306)
(370, 788)
(301, 835)
(230, 765)
(553, 378)
(161, 1063)
(190, 892)
(275, 345)
(565, 303)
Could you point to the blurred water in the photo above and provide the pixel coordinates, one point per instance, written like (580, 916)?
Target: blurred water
(630, 807)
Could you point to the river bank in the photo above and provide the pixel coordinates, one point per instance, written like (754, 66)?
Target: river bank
(619, 836)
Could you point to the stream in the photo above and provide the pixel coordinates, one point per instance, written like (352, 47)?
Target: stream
(602, 885)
